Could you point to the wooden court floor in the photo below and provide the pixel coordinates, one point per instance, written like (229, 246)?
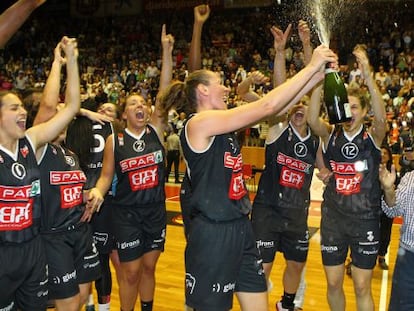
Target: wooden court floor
(169, 294)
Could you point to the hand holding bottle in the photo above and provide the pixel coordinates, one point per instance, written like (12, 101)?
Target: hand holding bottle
(321, 56)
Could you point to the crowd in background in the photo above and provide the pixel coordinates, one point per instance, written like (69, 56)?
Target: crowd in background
(120, 55)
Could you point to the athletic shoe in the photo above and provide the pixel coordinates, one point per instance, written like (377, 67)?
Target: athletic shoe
(382, 264)
(280, 308)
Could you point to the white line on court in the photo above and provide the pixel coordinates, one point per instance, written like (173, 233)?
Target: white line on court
(384, 288)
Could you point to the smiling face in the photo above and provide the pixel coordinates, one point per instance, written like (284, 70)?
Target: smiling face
(217, 92)
(137, 112)
(12, 117)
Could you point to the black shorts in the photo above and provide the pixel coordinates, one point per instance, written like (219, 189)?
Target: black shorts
(139, 230)
(72, 258)
(102, 227)
(275, 232)
(23, 276)
(339, 233)
(220, 259)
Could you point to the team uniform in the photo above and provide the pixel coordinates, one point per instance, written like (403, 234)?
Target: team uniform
(71, 254)
(139, 212)
(101, 222)
(351, 200)
(220, 206)
(280, 208)
(23, 276)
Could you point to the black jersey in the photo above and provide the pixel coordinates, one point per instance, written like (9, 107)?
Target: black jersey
(218, 189)
(289, 165)
(140, 168)
(19, 193)
(100, 134)
(354, 189)
(62, 183)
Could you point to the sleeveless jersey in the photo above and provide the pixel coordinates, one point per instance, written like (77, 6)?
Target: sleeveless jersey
(100, 134)
(354, 189)
(62, 183)
(289, 164)
(19, 194)
(140, 168)
(218, 189)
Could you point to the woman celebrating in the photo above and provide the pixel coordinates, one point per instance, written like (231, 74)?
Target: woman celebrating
(24, 278)
(221, 255)
(351, 206)
(137, 157)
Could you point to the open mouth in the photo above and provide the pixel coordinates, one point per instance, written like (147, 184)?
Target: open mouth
(140, 115)
(299, 115)
(21, 124)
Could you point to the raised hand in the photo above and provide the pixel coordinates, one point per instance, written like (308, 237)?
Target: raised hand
(201, 13)
(304, 32)
(280, 38)
(70, 47)
(386, 177)
(322, 55)
(362, 60)
(167, 40)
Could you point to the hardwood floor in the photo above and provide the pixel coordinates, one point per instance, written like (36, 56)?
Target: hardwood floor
(169, 295)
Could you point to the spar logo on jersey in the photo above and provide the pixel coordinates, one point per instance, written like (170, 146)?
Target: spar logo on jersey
(293, 163)
(145, 160)
(71, 187)
(300, 150)
(66, 177)
(143, 170)
(18, 171)
(350, 150)
(237, 188)
(293, 171)
(348, 176)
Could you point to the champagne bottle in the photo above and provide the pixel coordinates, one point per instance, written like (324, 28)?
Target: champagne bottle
(336, 97)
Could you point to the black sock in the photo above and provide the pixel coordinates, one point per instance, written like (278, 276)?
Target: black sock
(146, 305)
(287, 300)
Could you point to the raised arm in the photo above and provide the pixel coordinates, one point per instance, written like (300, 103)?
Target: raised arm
(319, 126)
(201, 14)
(45, 132)
(158, 117)
(305, 38)
(167, 44)
(14, 17)
(279, 43)
(50, 95)
(379, 124)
